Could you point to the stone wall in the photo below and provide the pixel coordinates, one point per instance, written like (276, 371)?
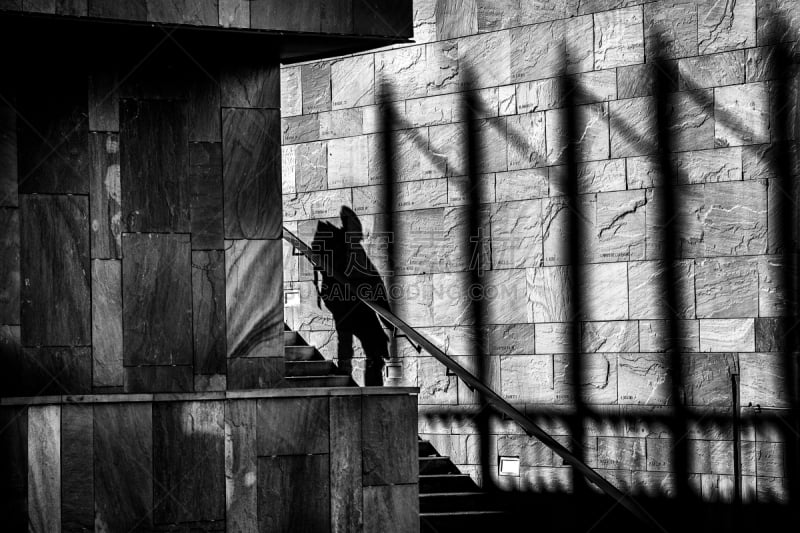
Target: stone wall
(247, 461)
(722, 115)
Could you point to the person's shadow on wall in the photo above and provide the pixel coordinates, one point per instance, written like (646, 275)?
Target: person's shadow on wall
(347, 274)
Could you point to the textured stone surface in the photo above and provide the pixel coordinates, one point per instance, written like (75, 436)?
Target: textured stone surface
(155, 189)
(644, 379)
(598, 381)
(435, 385)
(107, 323)
(316, 87)
(250, 173)
(123, 430)
(489, 57)
(526, 141)
(253, 298)
(404, 69)
(654, 335)
(527, 378)
(157, 296)
(642, 172)
(617, 336)
(618, 233)
(520, 184)
(691, 120)
(618, 38)
(670, 28)
(647, 283)
(54, 264)
(353, 81)
(291, 91)
(205, 176)
(713, 70)
(549, 294)
(391, 508)
(241, 467)
(771, 289)
(389, 428)
(763, 380)
(727, 287)
(347, 162)
(186, 435)
(321, 204)
(516, 234)
(726, 25)
(105, 195)
(706, 166)
(44, 468)
(633, 127)
(725, 335)
(605, 291)
(10, 266)
(208, 311)
(741, 114)
(591, 126)
(341, 123)
(284, 507)
(311, 166)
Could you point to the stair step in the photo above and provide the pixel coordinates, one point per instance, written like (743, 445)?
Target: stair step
(318, 381)
(447, 502)
(302, 353)
(446, 483)
(311, 368)
(293, 338)
(459, 522)
(426, 449)
(437, 465)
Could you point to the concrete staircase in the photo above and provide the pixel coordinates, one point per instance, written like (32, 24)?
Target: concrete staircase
(448, 500)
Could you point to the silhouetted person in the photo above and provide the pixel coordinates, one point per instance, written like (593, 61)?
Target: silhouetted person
(342, 255)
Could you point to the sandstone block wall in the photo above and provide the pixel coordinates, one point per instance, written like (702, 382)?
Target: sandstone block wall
(723, 116)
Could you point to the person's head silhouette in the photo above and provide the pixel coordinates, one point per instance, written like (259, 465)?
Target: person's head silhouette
(351, 225)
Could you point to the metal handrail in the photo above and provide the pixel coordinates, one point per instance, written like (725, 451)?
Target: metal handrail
(491, 397)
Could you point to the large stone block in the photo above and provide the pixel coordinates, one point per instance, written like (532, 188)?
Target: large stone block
(10, 266)
(489, 57)
(598, 381)
(526, 141)
(527, 378)
(251, 173)
(741, 114)
(554, 337)
(404, 69)
(727, 287)
(157, 299)
(291, 91)
(310, 166)
(644, 379)
(604, 290)
(316, 87)
(727, 68)
(54, 264)
(409, 196)
(691, 120)
(772, 293)
(670, 28)
(633, 127)
(520, 185)
(516, 234)
(436, 385)
(727, 335)
(353, 81)
(708, 166)
(549, 294)
(618, 38)
(618, 233)
(726, 25)
(615, 336)
(655, 336)
(346, 122)
(592, 123)
(254, 298)
(107, 323)
(44, 468)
